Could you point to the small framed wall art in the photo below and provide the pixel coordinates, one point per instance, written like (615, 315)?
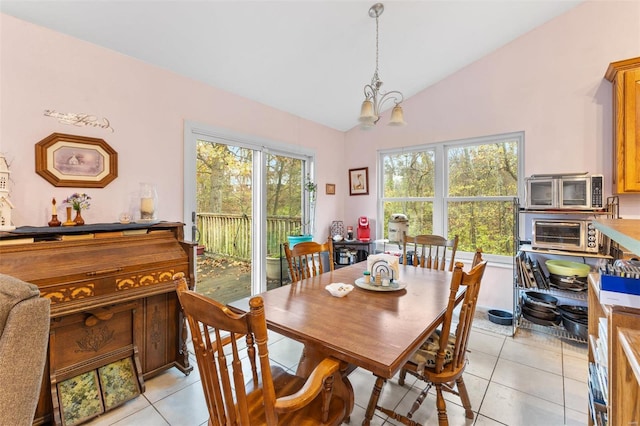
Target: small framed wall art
(331, 189)
(359, 181)
(76, 161)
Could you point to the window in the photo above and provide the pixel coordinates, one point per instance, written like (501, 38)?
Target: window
(463, 188)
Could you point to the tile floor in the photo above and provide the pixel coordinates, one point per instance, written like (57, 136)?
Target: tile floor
(531, 379)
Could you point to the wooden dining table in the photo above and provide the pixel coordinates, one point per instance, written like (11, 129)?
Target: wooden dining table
(374, 330)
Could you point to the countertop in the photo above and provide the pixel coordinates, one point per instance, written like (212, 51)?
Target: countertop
(625, 232)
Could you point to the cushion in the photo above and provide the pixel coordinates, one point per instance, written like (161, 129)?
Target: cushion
(12, 292)
(425, 356)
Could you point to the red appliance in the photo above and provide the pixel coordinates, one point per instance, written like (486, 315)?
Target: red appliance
(364, 233)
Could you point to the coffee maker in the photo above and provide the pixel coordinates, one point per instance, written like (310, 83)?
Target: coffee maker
(363, 233)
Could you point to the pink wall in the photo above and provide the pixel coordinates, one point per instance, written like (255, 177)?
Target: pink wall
(146, 106)
(548, 83)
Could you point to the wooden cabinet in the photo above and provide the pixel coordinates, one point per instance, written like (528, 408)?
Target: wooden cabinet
(112, 298)
(614, 361)
(614, 341)
(625, 76)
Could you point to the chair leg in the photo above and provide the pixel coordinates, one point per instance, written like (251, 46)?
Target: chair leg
(373, 401)
(464, 397)
(441, 406)
(419, 400)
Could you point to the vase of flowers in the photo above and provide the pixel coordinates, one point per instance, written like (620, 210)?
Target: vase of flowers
(79, 202)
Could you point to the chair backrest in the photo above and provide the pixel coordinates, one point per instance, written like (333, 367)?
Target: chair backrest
(477, 257)
(471, 281)
(215, 331)
(270, 395)
(430, 251)
(306, 259)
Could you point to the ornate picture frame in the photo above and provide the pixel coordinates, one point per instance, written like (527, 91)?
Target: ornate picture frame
(76, 161)
(359, 181)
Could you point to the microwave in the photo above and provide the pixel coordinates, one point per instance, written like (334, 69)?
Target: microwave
(565, 192)
(562, 234)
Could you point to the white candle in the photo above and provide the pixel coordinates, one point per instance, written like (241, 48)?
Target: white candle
(146, 208)
(53, 208)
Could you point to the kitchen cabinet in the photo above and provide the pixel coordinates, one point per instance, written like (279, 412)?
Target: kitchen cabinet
(625, 76)
(530, 275)
(614, 361)
(614, 342)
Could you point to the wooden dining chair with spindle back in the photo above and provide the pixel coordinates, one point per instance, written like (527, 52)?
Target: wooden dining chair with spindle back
(268, 395)
(430, 251)
(441, 360)
(309, 259)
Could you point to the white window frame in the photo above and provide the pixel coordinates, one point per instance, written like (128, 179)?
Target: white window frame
(193, 132)
(441, 199)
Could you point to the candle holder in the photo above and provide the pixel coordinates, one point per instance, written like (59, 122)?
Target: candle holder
(148, 202)
(54, 221)
(54, 214)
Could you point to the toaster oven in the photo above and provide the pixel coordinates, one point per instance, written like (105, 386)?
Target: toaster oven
(565, 234)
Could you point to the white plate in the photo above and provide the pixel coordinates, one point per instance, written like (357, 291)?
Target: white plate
(393, 287)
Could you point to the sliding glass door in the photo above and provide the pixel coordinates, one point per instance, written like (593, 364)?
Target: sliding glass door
(243, 196)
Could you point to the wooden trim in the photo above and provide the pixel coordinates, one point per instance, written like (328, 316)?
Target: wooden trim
(623, 65)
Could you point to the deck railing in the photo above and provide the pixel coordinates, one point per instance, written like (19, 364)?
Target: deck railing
(230, 234)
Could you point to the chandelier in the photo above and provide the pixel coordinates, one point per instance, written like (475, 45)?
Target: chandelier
(374, 99)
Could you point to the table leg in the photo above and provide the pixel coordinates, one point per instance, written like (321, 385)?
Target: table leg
(373, 401)
(310, 358)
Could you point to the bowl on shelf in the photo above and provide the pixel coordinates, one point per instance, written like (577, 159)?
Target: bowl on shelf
(542, 299)
(578, 328)
(497, 316)
(567, 268)
(549, 315)
(578, 313)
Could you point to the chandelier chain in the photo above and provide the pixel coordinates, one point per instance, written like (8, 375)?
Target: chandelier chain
(376, 73)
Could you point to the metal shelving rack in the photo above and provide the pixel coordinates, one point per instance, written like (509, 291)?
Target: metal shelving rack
(518, 319)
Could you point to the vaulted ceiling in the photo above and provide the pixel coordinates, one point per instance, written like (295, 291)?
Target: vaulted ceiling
(309, 58)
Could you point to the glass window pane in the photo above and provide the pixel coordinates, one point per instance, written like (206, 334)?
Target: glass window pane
(483, 170)
(484, 224)
(419, 213)
(284, 200)
(224, 200)
(409, 174)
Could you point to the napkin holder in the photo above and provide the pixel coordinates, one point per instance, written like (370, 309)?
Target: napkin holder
(378, 264)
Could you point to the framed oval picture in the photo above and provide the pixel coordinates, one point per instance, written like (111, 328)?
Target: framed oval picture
(76, 161)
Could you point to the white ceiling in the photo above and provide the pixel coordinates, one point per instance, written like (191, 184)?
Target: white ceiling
(309, 58)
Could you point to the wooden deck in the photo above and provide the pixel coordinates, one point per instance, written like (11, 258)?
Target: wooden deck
(225, 279)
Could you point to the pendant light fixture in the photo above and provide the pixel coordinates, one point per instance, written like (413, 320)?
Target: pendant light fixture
(374, 99)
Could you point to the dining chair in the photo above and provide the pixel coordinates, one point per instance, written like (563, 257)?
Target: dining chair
(309, 259)
(269, 395)
(430, 251)
(441, 359)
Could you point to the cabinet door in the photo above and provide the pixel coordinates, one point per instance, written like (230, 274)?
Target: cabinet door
(628, 149)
